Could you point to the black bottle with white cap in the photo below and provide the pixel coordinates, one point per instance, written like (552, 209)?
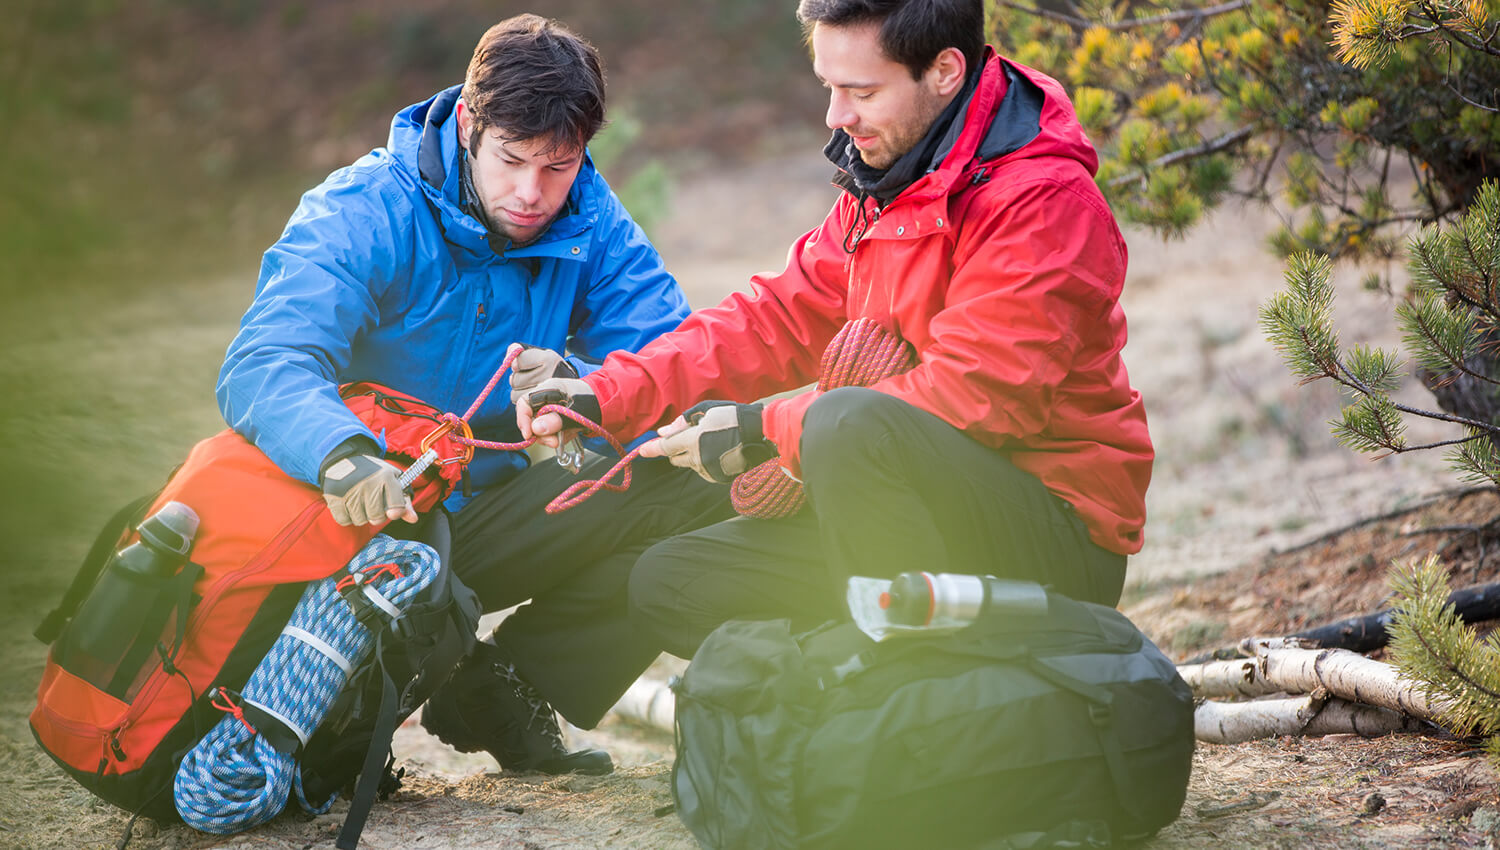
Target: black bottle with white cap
(129, 589)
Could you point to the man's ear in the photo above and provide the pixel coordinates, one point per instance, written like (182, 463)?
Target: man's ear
(465, 124)
(947, 71)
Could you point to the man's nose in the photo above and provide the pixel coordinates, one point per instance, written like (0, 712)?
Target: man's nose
(529, 188)
(840, 113)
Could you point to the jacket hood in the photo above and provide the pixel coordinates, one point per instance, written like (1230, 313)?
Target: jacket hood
(1011, 112)
(424, 143)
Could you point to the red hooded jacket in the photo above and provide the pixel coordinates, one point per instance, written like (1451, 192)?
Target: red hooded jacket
(1003, 269)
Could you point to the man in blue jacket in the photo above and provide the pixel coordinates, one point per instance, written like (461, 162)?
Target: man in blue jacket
(482, 223)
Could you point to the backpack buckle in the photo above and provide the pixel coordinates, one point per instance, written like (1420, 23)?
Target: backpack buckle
(1101, 715)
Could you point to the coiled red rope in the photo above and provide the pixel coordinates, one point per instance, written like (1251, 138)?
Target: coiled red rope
(860, 354)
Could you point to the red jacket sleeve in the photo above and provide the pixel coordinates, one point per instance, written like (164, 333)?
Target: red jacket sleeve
(748, 347)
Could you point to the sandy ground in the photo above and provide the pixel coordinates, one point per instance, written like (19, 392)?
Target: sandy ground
(1245, 467)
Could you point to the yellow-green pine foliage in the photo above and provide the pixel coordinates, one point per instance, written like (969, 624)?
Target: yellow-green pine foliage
(1436, 650)
(1357, 118)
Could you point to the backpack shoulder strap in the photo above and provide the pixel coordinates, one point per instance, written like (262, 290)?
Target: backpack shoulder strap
(93, 563)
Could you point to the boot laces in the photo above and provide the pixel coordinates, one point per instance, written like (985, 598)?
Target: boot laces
(541, 718)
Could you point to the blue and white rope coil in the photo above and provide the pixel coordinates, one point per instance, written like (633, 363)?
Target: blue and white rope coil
(234, 779)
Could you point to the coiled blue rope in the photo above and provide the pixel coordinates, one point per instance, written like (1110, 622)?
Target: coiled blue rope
(234, 778)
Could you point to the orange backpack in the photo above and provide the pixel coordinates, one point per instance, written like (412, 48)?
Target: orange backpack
(119, 718)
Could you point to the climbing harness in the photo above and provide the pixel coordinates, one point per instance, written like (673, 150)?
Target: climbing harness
(242, 772)
(860, 354)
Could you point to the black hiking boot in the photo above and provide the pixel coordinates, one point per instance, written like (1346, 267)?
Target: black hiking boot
(486, 705)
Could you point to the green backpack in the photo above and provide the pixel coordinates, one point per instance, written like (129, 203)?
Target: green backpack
(1064, 728)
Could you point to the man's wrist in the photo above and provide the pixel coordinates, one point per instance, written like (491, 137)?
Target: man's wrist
(358, 444)
(752, 427)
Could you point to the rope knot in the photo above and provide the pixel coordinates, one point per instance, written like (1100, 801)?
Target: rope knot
(230, 707)
(367, 575)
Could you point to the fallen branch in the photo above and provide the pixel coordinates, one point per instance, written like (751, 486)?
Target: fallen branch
(1308, 716)
(1342, 674)
(1238, 678)
(1363, 634)
(1370, 632)
(649, 702)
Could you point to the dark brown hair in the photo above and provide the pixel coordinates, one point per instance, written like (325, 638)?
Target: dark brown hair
(912, 32)
(533, 78)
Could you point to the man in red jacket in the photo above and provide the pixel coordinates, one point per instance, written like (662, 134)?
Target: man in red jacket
(970, 226)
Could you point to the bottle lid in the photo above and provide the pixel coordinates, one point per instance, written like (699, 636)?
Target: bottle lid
(171, 528)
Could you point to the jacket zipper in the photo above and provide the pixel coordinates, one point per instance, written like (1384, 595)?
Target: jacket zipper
(274, 550)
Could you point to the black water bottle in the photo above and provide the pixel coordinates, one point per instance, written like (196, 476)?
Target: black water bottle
(929, 599)
(129, 589)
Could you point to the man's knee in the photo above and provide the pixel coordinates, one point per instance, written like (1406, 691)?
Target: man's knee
(845, 423)
(654, 594)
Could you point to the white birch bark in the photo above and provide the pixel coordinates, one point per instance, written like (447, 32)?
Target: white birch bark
(649, 702)
(1347, 675)
(1310, 716)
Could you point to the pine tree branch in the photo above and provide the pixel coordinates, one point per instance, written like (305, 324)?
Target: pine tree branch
(1451, 665)
(1072, 21)
(1079, 23)
(1453, 87)
(1487, 308)
(1212, 146)
(1458, 36)
(1455, 359)
(1183, 15)
(1348, 379)
(1441, 444)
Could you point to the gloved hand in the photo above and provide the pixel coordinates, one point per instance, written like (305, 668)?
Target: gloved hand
(361, 488)
(533, 366)
(716, 439)
(572, 393)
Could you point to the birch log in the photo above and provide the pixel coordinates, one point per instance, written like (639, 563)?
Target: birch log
(649, 702)
(1350, 676)
(1344, 674)
(1310, 716)
(1239, 678)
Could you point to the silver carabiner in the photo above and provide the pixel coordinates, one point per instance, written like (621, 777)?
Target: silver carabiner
(570, 455)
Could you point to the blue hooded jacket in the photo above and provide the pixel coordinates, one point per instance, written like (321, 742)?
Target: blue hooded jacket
(380, 276)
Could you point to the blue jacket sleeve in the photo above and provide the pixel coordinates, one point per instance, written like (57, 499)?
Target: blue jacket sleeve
(318, 291)
(630, 298)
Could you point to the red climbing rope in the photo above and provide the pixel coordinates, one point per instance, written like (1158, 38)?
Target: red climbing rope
(862, 353)
(457, 429)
